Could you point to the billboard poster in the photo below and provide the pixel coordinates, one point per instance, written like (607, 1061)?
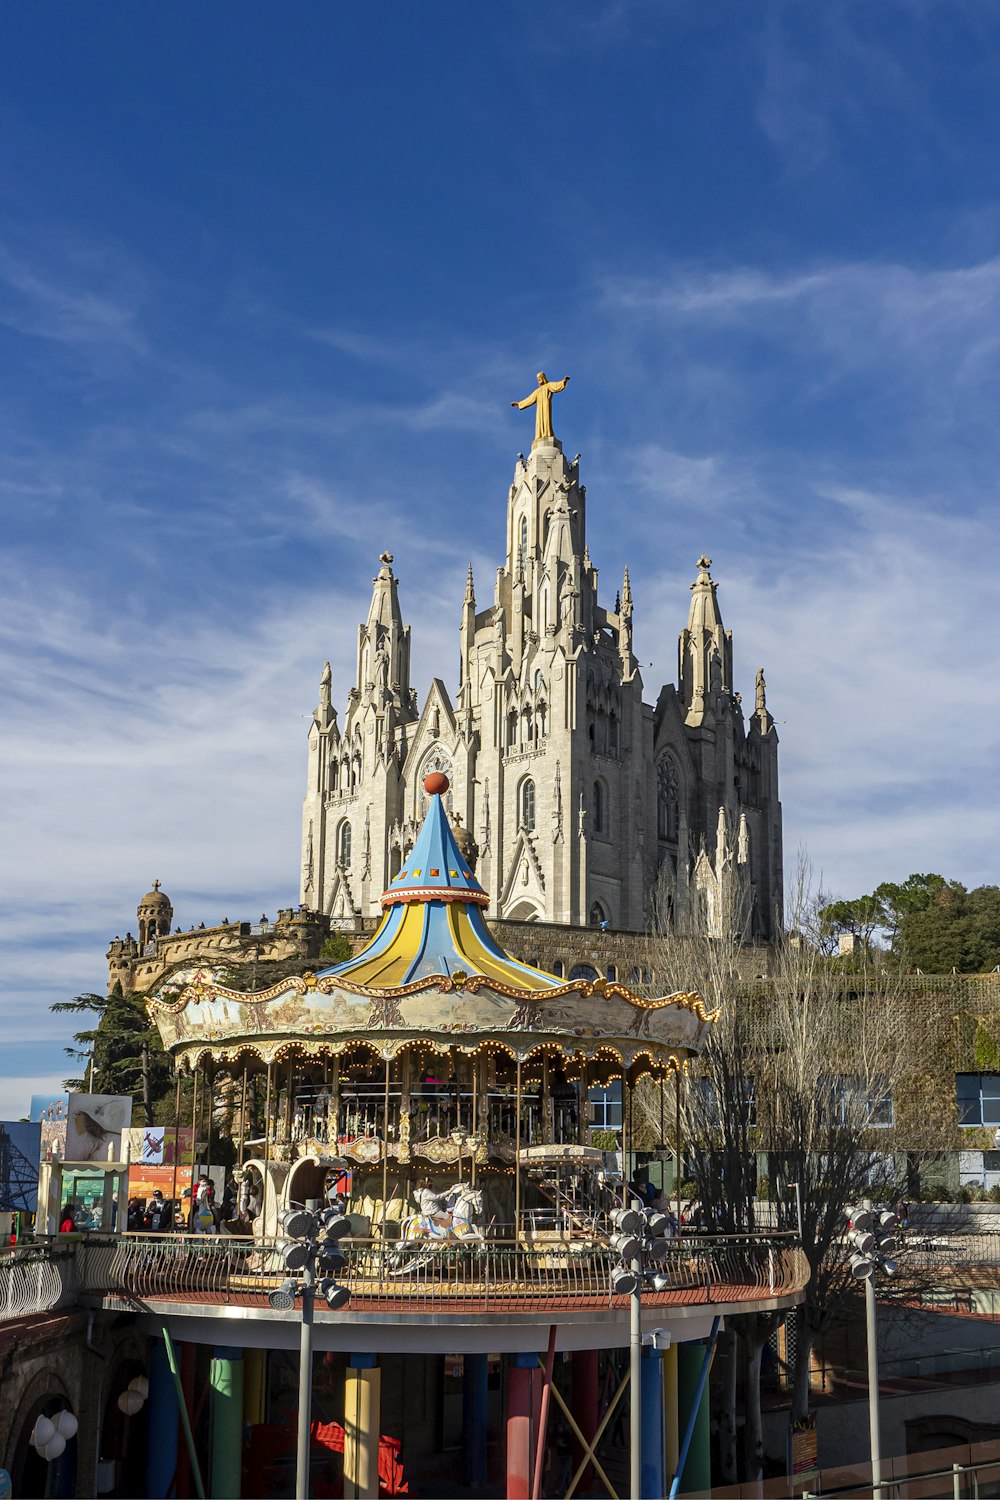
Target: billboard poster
(20, 1153)
(95, 1124)
(160, 1157)
(51, 1112)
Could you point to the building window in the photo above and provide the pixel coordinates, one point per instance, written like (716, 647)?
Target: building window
(862, 1103)
(606, 1106)
(583, 971)
(978, 1096)
(600, 807)
(598, 917)
(703, 1102)
(666, 799)
(528, 804)
(344, 846)
(522, 549)
(557, 968)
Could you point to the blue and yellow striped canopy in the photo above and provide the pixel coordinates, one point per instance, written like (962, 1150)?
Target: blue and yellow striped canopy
(433, 922)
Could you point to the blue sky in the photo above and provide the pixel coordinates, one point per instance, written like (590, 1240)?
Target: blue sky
(269, 280)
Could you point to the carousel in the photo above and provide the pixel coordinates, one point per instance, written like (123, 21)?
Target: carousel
(434, 1083)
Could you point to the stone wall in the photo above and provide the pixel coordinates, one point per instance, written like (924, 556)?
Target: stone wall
(75, 1357)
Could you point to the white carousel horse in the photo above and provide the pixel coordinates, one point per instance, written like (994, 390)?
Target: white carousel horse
(464, 1222)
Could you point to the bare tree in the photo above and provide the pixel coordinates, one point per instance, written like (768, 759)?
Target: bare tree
(799, 1069)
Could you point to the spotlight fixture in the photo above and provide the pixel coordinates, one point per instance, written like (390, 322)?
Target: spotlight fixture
(283, 1299)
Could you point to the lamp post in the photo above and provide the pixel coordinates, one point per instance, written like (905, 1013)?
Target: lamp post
(312, 1239)
(872, 1234)
(638, 1233)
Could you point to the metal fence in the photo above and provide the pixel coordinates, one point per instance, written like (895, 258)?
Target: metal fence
(441, 1277)
(36, 1279)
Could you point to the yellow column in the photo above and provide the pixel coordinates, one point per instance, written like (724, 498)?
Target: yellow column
(254, 1375)
(362, 1421)
(672, 1444)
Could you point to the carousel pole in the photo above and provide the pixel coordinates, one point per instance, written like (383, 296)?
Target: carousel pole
(677, 1138)
(208, 1094)
(517, 1157)
(475, 1070)
(267, 1155)
(288, 1098)
(582, 1130)
(626, 1131)
(177, 1140)
(385, 1150)
(546, 1102)
(194, 1145)
(243, 1117)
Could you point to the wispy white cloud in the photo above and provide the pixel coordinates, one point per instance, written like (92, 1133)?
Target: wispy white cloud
(77, 299)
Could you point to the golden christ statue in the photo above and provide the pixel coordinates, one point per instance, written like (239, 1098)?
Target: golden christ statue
(541, 400)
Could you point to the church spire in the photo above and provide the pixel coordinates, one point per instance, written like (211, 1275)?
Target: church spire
(705, 650)
(467, 633)
(384, 642)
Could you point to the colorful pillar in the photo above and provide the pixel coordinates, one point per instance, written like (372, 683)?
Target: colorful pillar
(475, 1374)
(520, 1399)
(226, 1385)
(188, 1366)
(254, 1387)
(585, 1406)
(671, 1436)
(164, 1416)
(697, 1473)
(362, 1424)
(650, 1395)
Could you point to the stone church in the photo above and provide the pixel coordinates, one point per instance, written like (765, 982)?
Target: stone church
(581, 803)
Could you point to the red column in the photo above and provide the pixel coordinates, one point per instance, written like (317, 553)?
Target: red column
(519, 1404)
(585, 1405)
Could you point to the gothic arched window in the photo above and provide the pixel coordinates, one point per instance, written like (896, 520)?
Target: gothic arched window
(527, 808)
(344, 845)
(667, 795)
(597, 915)
(522, 546)
(600, 807)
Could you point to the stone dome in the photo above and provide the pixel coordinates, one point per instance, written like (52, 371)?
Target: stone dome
(155, 897)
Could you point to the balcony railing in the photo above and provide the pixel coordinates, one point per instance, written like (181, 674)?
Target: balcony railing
(37, 1278)
(441, 1277)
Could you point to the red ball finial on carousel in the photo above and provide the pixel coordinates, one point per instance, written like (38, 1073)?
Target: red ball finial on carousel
(436, 784)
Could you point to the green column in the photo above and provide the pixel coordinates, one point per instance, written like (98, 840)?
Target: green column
(226, 1384)
(697, 1473)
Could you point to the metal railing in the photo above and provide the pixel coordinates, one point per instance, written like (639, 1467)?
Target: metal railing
(37, 1278)
(442, 1277)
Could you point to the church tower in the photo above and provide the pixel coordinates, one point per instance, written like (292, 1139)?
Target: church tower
(586, 806)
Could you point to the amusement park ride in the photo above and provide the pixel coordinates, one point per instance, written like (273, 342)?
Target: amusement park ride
(430, 1061)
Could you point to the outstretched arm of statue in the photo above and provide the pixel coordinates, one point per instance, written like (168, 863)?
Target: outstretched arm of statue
(559, 385)
(528, 401)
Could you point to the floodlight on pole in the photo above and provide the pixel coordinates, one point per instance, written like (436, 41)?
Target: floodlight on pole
(877, 1232)
(312, 1239)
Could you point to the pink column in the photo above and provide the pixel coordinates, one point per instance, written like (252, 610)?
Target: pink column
(519, 1404)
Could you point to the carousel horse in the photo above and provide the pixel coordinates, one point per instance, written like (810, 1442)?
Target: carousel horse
(463, 1222)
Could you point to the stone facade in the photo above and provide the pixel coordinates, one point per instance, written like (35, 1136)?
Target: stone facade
(585, 803)
(294, 933)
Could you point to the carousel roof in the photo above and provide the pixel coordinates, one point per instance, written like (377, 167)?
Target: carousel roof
(433, 919)
(433, 973)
